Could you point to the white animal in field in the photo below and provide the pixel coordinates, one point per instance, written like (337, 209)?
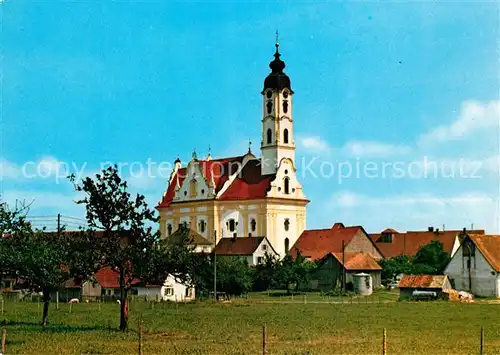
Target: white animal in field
(86, 301)
(118, 301)
(74, 300)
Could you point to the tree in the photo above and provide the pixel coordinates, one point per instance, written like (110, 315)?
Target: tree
(265, 273)
(234, 275)
(123, 227)
(42, 260)
(293, 272)
(433, 256)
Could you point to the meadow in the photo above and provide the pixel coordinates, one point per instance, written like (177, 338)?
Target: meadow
(294, 327)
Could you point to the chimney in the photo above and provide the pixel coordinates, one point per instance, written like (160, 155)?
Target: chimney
(249, 235)
(234, 237)
(431, 229)
(437, 231)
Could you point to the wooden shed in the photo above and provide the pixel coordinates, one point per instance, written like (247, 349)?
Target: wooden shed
(432, 285)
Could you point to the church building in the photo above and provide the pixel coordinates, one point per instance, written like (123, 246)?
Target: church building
(244, 196)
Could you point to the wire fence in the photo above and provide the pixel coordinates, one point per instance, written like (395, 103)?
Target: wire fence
(54, 223)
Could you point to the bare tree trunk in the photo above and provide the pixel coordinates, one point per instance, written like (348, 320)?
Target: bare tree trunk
(123, 303)
(46, 300)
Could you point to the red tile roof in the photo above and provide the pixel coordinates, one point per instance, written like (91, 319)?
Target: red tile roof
(109, 278)
(194, 238)
(316, 243)
(357, 261)
(410, 242)
(238, 246)
(489, 246)
(422, 281)
(250, 184)
(218, 169)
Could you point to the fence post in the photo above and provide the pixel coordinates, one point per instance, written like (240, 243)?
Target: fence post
(384, 342)
(70, 307)
(140, 338)
(481, 347)
(2, 305)
(4, 338)
(57, 300)
(264, 338)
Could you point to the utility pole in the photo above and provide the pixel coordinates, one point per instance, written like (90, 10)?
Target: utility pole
(58, 223)
(343, 265)
(215, 267)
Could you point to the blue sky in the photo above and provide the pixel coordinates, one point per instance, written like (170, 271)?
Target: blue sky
(89, 82)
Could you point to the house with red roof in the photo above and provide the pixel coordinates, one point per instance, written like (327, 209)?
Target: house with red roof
(314, 244)
(393, 243)
(252, 249)
(475, 267)
(244, 195)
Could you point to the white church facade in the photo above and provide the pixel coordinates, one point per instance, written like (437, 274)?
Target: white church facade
(244, 196)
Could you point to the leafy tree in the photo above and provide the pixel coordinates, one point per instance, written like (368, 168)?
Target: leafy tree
(43, 261)
(430, 259)
(234, 275)
(293, 272)
(433, 256)
(265, 274)
(124, 227)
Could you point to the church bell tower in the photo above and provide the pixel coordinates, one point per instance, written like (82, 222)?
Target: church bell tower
(277, 119)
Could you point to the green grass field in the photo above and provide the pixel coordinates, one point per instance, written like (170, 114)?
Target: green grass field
(236, 328)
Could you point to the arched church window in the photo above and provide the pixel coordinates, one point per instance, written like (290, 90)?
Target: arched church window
(287, 245)
(269, 106)
(169, 229)
(192, 188)
(269, 94)
(269, 136)
(287, 185)
(285, 136)
(253, 225)
(231, 225)
(203, 225)
(287, 224)
(285, 106)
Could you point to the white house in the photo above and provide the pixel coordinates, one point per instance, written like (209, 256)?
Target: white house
(172, 290)
(253, 249)
(475, 267)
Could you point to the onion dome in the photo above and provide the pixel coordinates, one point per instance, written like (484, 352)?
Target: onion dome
(277, 79)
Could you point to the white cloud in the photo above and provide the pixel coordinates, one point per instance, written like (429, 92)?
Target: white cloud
(474, 116)
(8, 170)
(374, 149)
(314, 144)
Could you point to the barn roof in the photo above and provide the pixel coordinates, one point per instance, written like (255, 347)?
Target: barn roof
(357, 261)
(108, 277)
(489, 246)
(422, 281)
(194, 238)
(238, 246)
(408, 243)
(316, 243)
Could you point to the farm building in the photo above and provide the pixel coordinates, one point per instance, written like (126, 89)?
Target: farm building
(392, 243)
(252, 249)
(76, 288)
(411, 284)
(314, 244)
(328, 275)
(475, 267)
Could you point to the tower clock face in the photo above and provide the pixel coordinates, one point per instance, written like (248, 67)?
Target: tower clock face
(269, 94)
(285, 94)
